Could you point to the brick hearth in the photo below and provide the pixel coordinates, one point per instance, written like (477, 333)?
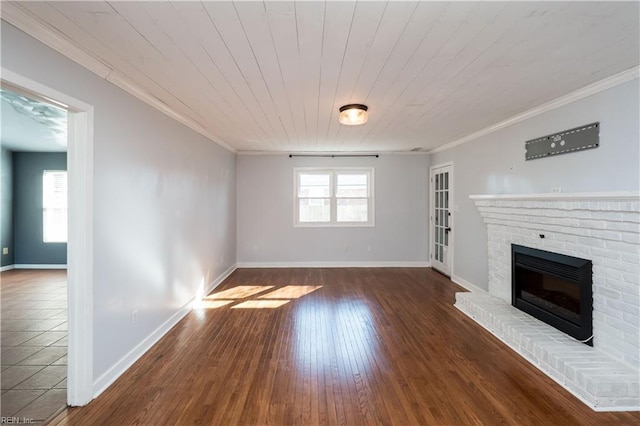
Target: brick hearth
(604, 228)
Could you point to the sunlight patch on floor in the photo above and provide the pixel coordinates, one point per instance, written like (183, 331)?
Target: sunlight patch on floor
(291, 292)
(260, 304)
(239, 292)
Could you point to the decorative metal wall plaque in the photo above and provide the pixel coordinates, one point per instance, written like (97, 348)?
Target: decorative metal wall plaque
(578, 139)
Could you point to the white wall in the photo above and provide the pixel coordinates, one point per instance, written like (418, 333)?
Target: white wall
(265, 213)
(164, 202)
(482, 166)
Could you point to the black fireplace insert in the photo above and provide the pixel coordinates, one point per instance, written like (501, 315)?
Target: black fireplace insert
(554, 288)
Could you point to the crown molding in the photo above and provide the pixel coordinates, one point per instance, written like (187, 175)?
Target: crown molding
(135, 90)
(591, 89)
(13, 14)
(16, 16)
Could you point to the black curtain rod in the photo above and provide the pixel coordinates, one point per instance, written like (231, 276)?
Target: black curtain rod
(333, 155)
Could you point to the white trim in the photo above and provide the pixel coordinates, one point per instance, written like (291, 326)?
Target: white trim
(16, 16)
(133, 89)
(591, 89)
(613, 195)
(399, 264)
(466, 284)
(80, 254)
(113, 373)
(80, 238)
(26, 22)
(39, 266)
(7, 268)
(215, 283)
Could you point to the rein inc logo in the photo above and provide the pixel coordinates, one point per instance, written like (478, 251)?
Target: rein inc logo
(16, 420)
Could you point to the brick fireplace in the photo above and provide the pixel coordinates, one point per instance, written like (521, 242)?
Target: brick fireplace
(602, 227)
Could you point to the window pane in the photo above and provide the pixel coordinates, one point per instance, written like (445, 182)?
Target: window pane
(314, 185)
(54, 203)
(352, 210)
(352, 186)
(314, 210)
(54, 189)
(55, 225)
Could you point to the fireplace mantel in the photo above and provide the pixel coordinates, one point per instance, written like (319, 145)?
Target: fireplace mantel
(584, 196)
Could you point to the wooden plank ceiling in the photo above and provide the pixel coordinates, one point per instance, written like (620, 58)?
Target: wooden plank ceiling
(270, 76)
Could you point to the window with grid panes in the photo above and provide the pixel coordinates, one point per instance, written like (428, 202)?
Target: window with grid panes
(333, 197)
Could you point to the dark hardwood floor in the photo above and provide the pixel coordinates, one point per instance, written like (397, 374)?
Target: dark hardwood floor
(370, 346)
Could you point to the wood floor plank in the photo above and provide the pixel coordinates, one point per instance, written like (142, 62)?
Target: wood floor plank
(370, 346)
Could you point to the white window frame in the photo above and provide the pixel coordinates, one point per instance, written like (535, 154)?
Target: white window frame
(46, 208)
(333, 217)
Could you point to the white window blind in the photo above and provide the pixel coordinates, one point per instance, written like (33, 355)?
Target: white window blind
(54, 206)
(333, 197)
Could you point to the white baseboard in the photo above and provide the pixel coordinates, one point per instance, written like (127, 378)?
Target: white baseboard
(112, 374)
(39, 266)
(7, 268)
(418, 264)
(221, 278)
(466, 284)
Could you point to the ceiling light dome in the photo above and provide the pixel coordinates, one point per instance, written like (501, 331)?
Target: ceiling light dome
(353, 114)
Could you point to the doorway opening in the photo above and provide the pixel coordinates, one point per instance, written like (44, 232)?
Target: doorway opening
(34, 256)
(79, 253)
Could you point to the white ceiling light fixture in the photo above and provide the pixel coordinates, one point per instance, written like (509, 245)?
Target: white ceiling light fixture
(353, 114)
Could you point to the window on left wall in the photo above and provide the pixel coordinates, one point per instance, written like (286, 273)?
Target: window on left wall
(54, 206)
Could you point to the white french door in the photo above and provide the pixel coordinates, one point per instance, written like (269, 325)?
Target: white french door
(440, 217)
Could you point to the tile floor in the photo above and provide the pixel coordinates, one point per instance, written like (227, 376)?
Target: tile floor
(33, 335)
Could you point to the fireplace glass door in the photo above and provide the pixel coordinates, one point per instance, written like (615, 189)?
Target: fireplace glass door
(553, 294)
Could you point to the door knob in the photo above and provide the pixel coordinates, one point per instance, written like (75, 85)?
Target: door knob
(447, 229)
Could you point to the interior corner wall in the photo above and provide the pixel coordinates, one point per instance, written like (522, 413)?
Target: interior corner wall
(494, 164)
(266, 235)
(6, 207)
(163, 204)
(28, 241)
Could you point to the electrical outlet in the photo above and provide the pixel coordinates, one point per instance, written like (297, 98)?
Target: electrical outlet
(5, 250)
(346, 248)
(556, 189)
(134, 317)
(368, 248)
